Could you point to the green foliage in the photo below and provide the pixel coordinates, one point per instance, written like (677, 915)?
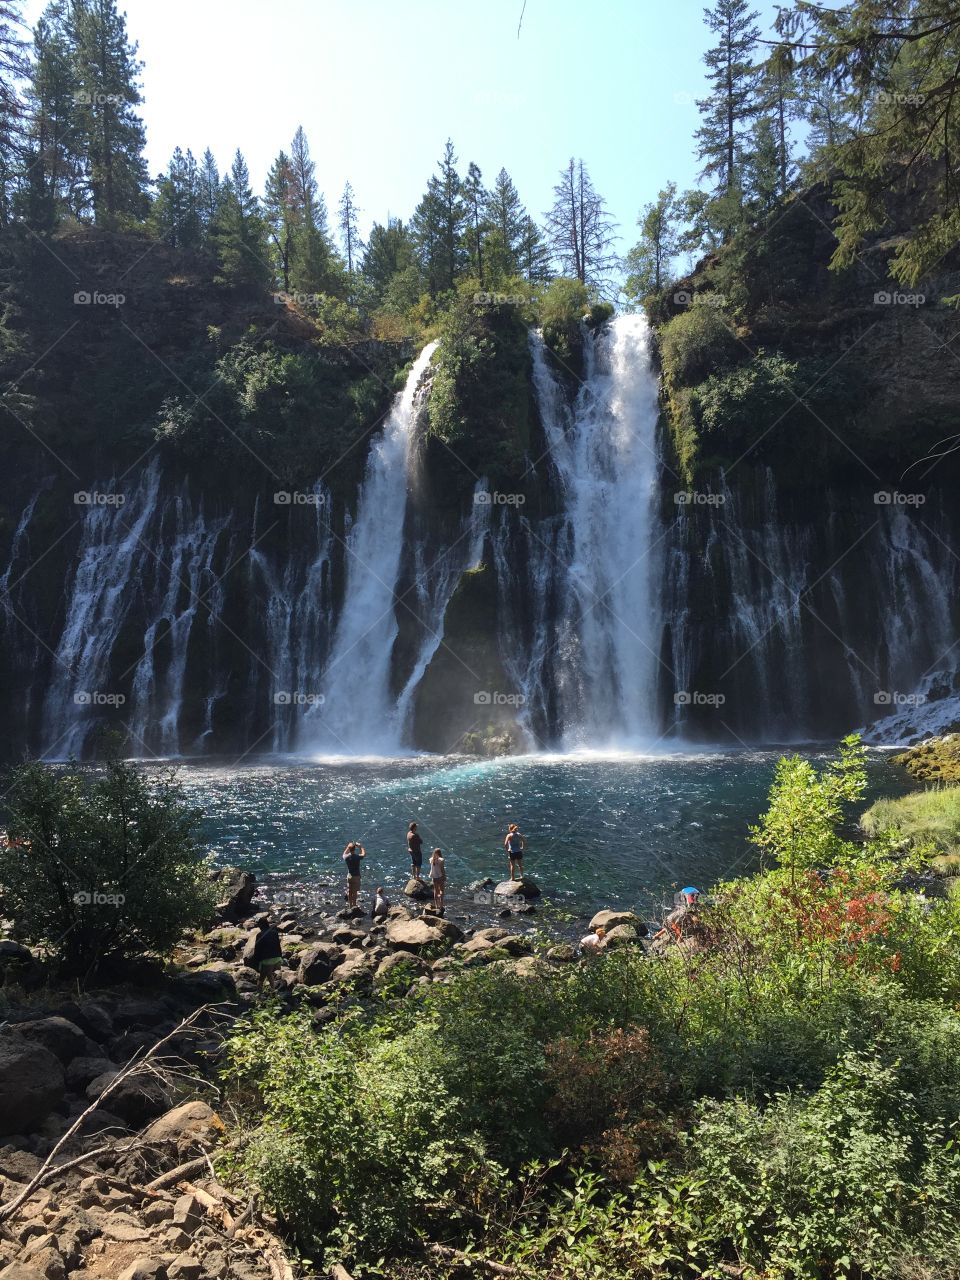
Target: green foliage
(562, 306)
(101, 863)
(936, 760)
(926, 818)
(800, 829)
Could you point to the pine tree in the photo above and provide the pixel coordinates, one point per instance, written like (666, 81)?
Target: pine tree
(580, 228)
(390, 253)
(648, 262)
(175, 215)
(349, 231)
(733, 100)
(111, 133)
(13, 67)
(208, 193)
(278, 207)
(240, 234)
(475, 200)
(438, 225)
(53, 185)
(533, 252)
(313, 266)
(506, 219)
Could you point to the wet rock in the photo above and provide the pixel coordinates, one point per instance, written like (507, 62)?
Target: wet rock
(418, 889)
(525, 888)
(612, 919)
(31, 1083)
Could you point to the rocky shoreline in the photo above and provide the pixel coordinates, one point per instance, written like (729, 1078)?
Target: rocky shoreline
(108, 1097)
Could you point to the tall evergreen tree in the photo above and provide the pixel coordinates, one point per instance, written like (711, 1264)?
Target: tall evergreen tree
(733, 99)
(313, 267)
(505, 217)
(53, 185)
(475, 200)
(208, 193)
(279, 211)
(107, 94)
(347, 214)
(241, 235)
(580, 228)
(390, 252)
(438, 225)
(175, 215)
(13, 67)
(533, 252)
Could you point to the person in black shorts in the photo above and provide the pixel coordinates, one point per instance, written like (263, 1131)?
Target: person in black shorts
(415, 849)
(351, 857)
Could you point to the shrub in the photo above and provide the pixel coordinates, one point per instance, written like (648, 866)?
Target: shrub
(101, 863)
(563, 305)
(926, 818)
(696, 343)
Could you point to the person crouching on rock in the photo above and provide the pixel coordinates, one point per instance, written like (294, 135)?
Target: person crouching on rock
(268, 955)
(351, 857)
(415, 850)
(381, 906)
(593, 942)
(438, 874)
(515, 845)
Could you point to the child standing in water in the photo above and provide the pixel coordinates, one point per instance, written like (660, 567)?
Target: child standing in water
(438, 874)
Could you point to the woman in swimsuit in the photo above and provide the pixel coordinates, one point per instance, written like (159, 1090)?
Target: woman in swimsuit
(438, 874)
(515, 845)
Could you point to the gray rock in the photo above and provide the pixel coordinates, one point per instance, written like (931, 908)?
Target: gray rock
(237, 889)
(82, 1070)
(20, 1271)
(401, 964)
(563, 952)
(418, 889)
(145, 1268)
(184, 1267)
(525, 888)
(611, 919)
(419, 935)
(31, 1083)
(184, 1124)
(187, 1213)
(137, 1100)
(64, 1040)
(156, 1212)
(621, 935)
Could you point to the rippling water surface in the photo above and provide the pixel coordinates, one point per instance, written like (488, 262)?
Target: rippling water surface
(624, 830)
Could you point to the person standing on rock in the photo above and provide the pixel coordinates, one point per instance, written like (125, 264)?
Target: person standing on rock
(351, 857)
(268, 954)
(438, 875)
(415, 850)
(515, 844)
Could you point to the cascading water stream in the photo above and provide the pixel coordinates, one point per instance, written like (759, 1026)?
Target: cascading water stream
(604, 652)
(358, 714)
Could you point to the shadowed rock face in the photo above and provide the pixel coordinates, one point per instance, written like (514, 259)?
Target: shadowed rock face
(31, 1083)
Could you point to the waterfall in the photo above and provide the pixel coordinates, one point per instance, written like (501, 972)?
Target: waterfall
(605, 648)
(112, 546)
(358, 713)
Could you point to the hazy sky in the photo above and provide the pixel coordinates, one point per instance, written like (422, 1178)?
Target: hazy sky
(379, 85)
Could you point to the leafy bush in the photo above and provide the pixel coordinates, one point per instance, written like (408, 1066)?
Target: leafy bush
(103, 863)
(563, 304)
(696, 343)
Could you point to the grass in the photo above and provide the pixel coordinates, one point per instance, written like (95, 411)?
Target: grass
(925, 817)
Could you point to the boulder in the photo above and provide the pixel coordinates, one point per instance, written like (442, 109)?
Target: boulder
(318, 962)
(419, 935)
(62, 1038)
(83, 1069)
(611, 919)
(138, 1099)
(525, 888)
(90, 1017)
(31, 1083)
(237, 888)
(140, 1012)
(418, 889)
(563, 952)
(14, 952)
(356, 966)
(22, 1271)
(401, 966)
(211, 985)
(621, 935)
(184, 1124)
(145, 1268)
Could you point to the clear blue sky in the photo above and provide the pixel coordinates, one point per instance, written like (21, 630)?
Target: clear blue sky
(379, 85)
